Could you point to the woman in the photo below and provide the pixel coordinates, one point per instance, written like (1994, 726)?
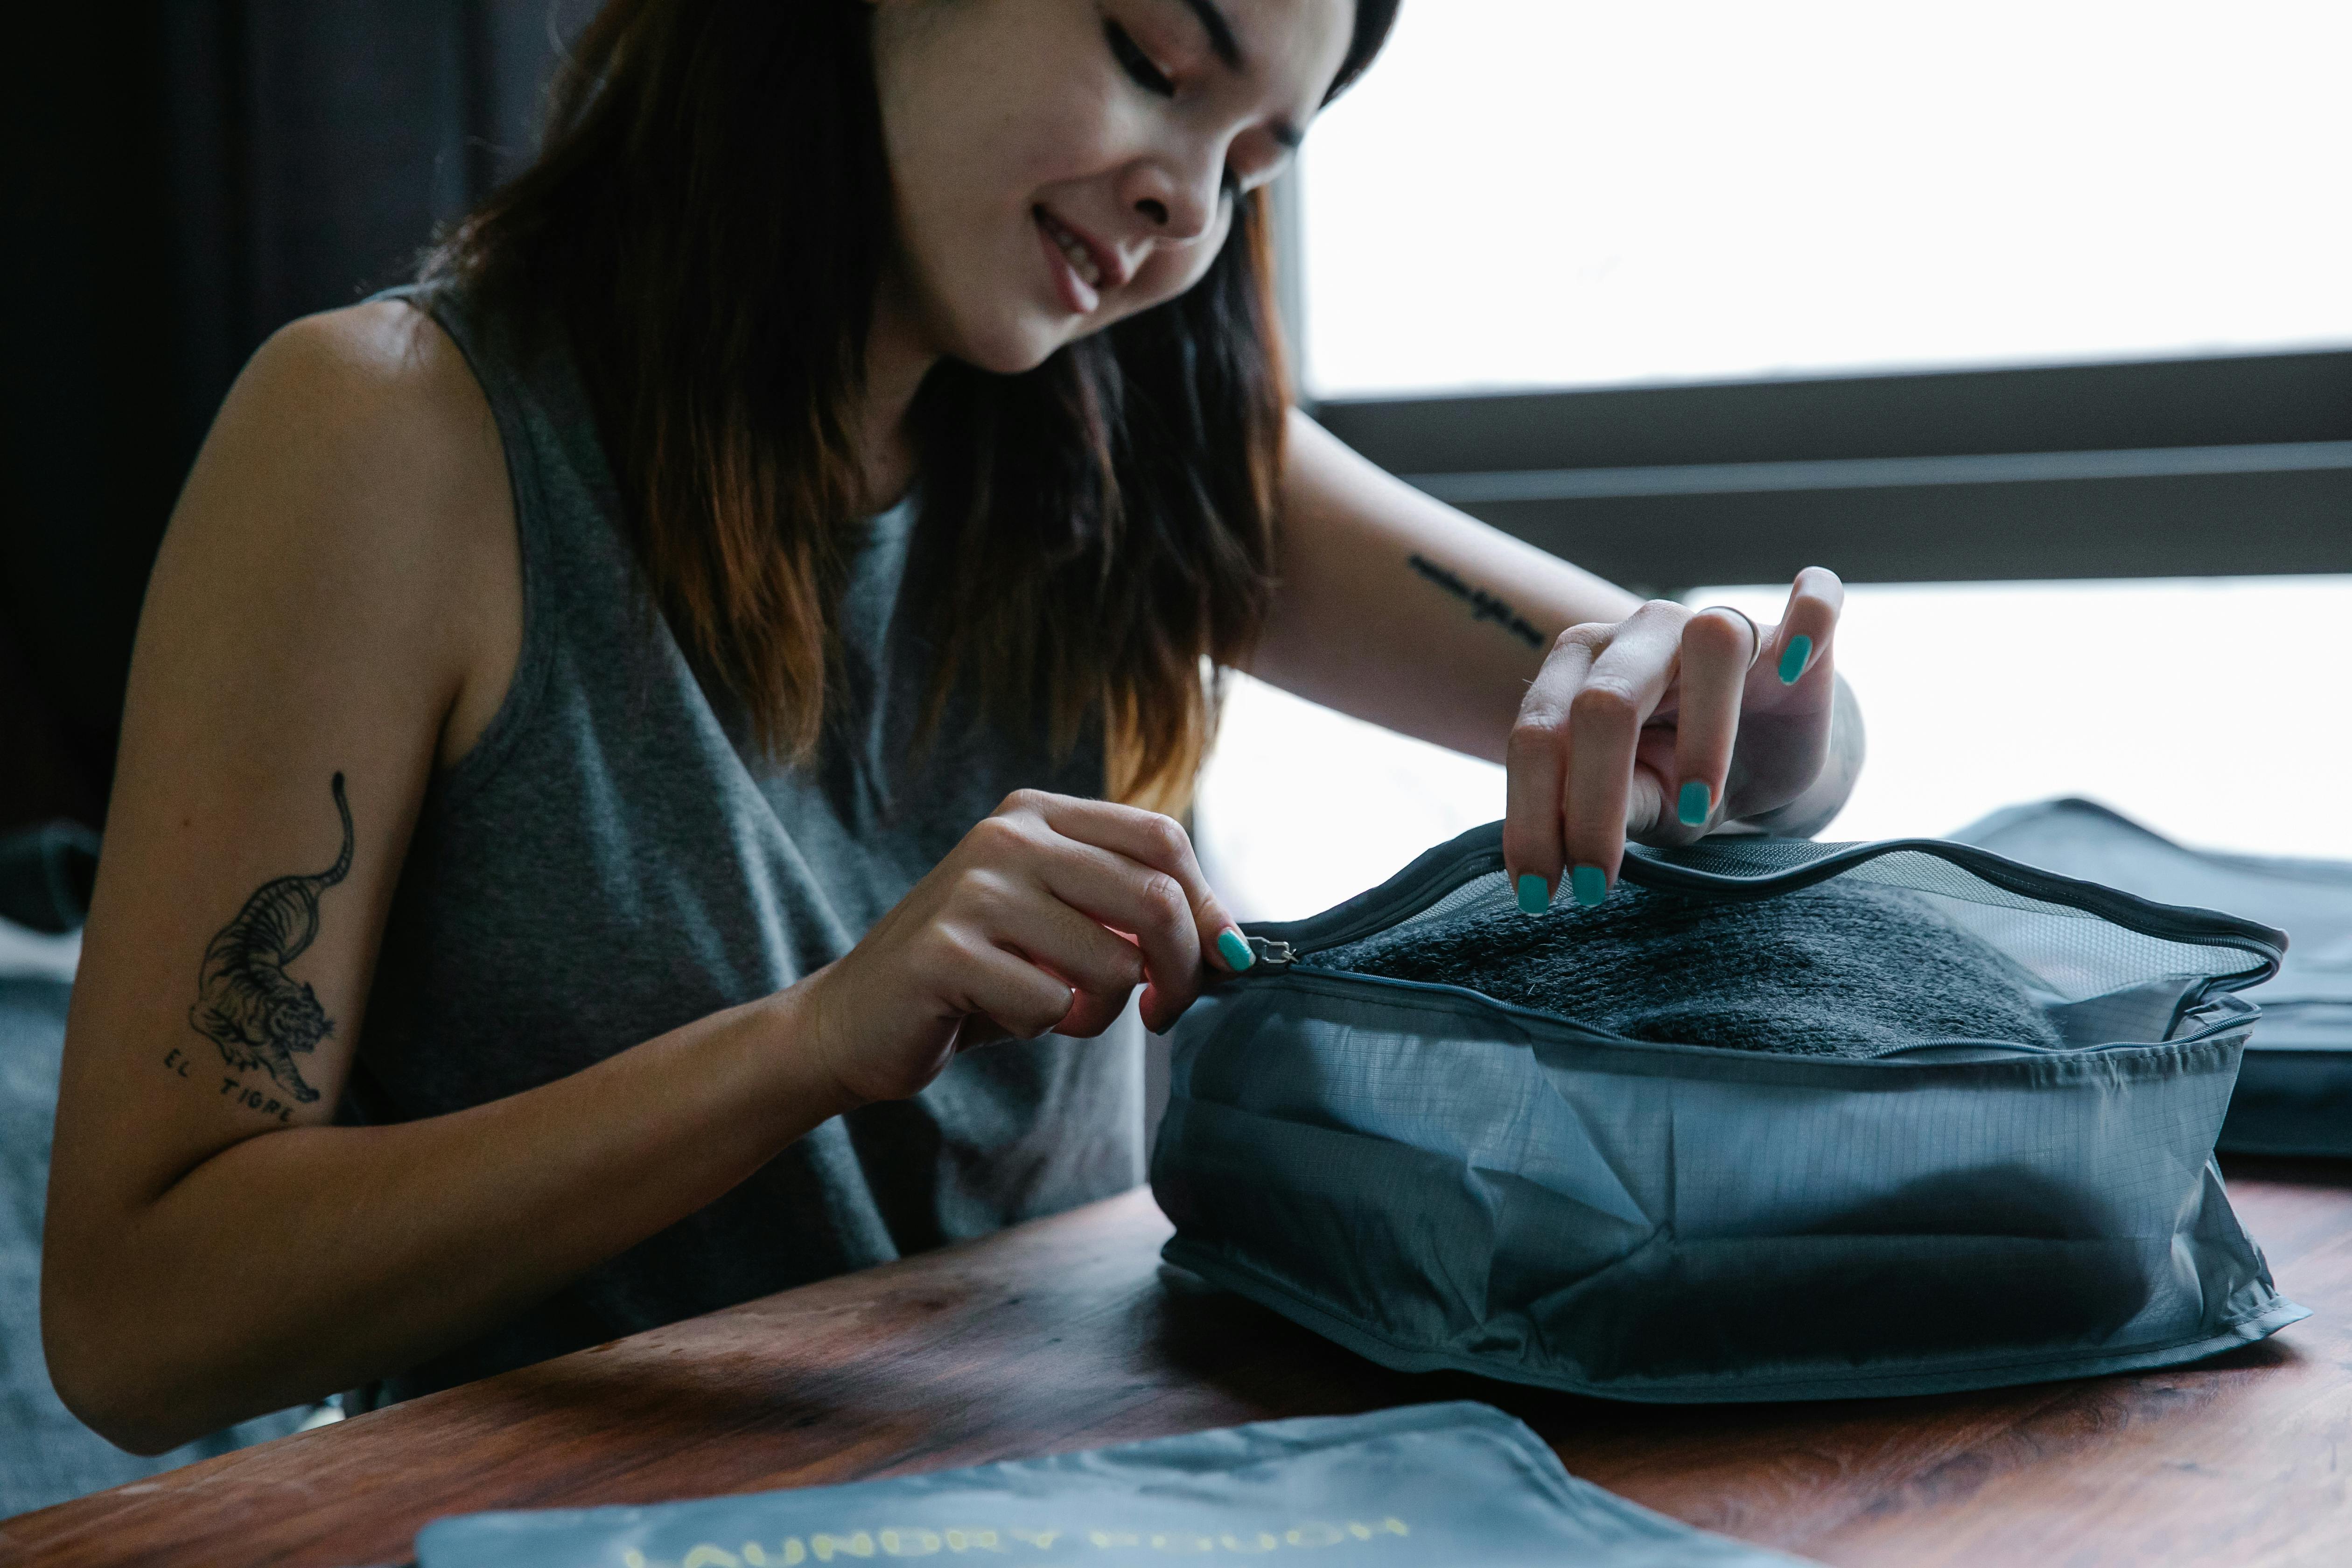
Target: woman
(620, 720)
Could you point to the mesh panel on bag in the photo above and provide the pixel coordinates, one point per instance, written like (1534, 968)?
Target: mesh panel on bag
(1476, 896)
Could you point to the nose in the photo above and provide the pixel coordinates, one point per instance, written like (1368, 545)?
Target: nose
(1175, 205)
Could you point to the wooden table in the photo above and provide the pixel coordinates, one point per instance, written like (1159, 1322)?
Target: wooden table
(1068, 1333)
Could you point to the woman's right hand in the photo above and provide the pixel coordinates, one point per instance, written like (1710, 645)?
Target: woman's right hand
(1045, 917)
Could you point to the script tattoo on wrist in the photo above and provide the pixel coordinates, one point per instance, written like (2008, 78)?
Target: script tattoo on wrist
(260, 1018)
(1483, 605)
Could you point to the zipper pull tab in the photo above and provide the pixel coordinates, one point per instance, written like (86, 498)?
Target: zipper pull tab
(1273, 957)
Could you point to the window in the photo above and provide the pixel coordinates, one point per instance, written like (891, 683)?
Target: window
(1558, 192)
(2212, 711)
(1992, 308)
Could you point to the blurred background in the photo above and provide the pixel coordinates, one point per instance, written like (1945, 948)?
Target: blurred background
(2007, 311)
(179, 178)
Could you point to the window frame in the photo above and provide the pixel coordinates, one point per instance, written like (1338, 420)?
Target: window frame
(2227, 465)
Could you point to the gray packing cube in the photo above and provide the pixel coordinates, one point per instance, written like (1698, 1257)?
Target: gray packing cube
(1398, 1489)
(2294, 1090)
(1437, 1179)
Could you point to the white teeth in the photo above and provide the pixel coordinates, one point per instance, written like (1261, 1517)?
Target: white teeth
(1082, 260)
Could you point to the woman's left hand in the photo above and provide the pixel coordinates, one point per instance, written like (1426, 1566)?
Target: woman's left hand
(1662, 726)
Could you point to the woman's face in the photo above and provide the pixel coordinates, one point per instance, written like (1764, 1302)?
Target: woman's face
(1058, 165)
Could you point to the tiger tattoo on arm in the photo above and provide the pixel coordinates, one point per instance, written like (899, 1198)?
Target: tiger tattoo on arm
(261, 1016)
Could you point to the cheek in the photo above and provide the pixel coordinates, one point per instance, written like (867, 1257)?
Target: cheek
(962, 161)
(965, 198)
(984, 116)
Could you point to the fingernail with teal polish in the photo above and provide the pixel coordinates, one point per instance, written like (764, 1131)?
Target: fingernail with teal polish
(1534, 895)
(1591, 885)
(1694, 805)
(1237, 953)
(1793, 662)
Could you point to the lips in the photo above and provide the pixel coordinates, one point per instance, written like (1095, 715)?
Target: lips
(1083, 265)
(1080, 254)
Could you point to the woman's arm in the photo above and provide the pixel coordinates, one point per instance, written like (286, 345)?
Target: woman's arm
(339, 596)
(1399, 609)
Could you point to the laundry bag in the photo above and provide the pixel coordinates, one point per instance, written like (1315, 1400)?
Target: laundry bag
(1456, 1483)
(1436, 1178)
(2294, 1089)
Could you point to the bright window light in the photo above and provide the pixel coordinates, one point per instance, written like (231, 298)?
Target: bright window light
(2212, 711)
(1300, 807)
(1558, 192)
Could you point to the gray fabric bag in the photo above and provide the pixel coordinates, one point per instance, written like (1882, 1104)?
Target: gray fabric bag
(1397, 1488)
(2295, 1092)
(1436, 1179)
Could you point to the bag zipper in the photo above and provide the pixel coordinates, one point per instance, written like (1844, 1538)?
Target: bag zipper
(1271, 956)
(1448, 865)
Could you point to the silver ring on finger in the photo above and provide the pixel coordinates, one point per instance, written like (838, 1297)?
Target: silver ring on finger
(1755, 633)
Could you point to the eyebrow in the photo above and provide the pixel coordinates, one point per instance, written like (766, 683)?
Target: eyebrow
(1221, 32)
(1228, 48)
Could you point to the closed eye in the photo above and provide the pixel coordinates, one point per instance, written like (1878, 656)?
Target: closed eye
(1135, 62)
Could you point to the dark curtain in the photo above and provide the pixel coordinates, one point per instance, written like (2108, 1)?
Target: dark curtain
(183, 177)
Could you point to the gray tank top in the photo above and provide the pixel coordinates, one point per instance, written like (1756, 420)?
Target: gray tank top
(615, 858)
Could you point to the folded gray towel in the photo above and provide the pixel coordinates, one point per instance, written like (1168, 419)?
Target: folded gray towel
(1839, 969)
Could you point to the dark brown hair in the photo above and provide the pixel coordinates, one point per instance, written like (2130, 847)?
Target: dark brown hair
(705, 229)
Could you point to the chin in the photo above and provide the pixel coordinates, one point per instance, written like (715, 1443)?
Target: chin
(1013, 345)
(1011, 356)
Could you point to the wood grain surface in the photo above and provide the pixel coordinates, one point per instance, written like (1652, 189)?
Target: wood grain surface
(1069, 1334)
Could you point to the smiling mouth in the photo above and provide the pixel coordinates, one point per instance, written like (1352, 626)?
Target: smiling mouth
(1081, 259)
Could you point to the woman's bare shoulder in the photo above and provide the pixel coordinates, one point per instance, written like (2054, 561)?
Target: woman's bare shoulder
(357, 461)
(378, 381)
